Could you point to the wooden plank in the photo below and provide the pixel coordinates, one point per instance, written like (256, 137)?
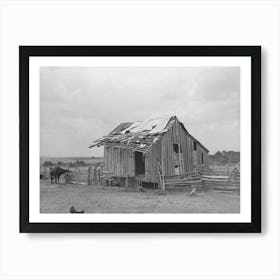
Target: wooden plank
(163, 172)
(214, 177)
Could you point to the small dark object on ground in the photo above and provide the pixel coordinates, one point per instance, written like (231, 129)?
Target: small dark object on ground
(73, 210)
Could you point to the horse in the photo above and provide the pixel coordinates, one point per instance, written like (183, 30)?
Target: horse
(56, 172)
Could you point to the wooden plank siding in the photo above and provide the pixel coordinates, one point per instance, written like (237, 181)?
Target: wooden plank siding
(177, 135)
(121, 162)
(201, 150)
(151, 161)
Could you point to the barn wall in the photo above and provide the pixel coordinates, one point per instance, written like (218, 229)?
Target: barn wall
(118, 161)
(178, 135)
(151, 163)
(201, 150)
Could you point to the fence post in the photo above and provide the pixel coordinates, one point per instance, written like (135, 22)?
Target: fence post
(89, 175)
(45, 173)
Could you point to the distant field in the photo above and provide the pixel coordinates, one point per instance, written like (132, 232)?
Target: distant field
(98, 199)
(71, 159)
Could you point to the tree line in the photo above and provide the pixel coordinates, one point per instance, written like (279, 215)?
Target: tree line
(224, 157)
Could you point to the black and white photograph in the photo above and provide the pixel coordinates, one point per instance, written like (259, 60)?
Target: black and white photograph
(139, 139)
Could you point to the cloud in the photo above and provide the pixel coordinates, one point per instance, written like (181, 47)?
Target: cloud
(79, 104)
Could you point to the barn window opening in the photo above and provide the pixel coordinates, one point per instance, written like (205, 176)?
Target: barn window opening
(178, 159)
(202, 158)
(194, 145)
(176, 148)
(139, 163)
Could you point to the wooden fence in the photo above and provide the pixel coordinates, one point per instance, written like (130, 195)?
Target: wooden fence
(205, 179)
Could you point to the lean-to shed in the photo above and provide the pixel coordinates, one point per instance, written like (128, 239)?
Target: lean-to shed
(137, 149)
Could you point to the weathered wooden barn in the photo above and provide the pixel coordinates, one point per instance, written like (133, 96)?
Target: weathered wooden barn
(141, 149)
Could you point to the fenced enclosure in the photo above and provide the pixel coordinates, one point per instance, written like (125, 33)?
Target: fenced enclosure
(76, 175)
(226, 178)
(91, 188)
(78, 170)
(222, 177)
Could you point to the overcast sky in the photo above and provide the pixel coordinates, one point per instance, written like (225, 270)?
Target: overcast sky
(80, 104)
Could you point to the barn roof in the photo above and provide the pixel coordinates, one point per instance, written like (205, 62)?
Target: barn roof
(138, 135)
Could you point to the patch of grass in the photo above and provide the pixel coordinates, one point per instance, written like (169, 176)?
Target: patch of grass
(98, 199)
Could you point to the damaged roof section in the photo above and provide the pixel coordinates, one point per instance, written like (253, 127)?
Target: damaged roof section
(137, 136)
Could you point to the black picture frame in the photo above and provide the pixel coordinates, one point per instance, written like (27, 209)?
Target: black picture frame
(25, 52)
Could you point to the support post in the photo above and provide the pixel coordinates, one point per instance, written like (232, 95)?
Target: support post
(159, 174)
(126, 181)
(162, 174)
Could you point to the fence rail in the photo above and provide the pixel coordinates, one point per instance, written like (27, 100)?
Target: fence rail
(205, 178)
(200, 178)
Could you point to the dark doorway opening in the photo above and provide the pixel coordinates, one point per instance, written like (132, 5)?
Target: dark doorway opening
(139, 163)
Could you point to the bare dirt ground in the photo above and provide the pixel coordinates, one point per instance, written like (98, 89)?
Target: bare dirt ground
(99, 199)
